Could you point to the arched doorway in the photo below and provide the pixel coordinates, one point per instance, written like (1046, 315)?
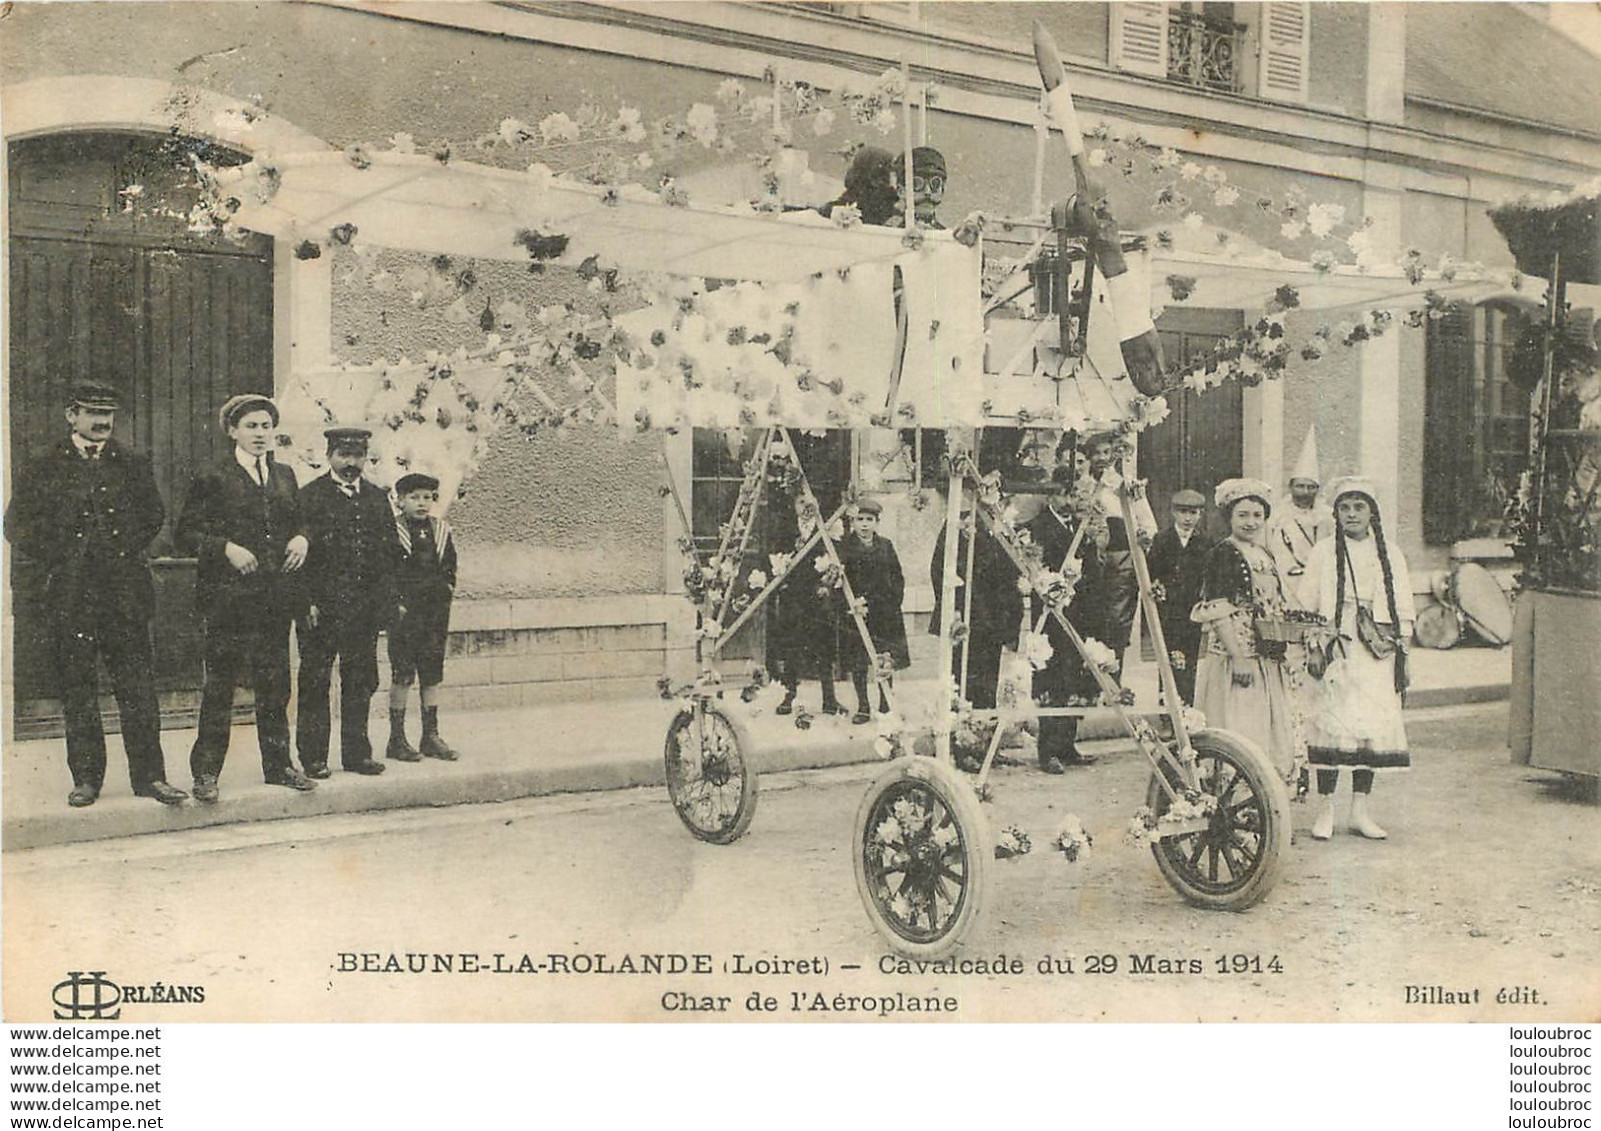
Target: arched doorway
(108, 282)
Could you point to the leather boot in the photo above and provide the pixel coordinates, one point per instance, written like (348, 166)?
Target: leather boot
(400, 750)
(433, 746)
(1362, 822)
(1323, 826)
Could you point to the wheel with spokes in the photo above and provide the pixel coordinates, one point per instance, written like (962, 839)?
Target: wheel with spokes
(922, 854)
(1235, 861)
(712, 786)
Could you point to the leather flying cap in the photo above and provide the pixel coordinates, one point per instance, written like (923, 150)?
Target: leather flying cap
(415, 481)
(927, 162)
(237, 406)
(345, 437)
(1187, 500)
(94, 395)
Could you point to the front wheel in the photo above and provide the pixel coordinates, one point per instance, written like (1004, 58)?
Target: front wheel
(712, 786)
(922, 856)
(1235, 861)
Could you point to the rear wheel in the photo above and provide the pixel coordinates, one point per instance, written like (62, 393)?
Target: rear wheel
(1235, 861)
(712, 787)
(922, 855)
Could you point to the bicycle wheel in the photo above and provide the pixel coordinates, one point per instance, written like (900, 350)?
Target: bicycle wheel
(1234, 862)
(922, 855)
(712, 786)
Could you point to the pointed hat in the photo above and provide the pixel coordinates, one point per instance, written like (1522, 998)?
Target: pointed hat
(1306, 465)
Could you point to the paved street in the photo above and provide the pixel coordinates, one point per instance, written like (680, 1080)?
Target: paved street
(1490, 881)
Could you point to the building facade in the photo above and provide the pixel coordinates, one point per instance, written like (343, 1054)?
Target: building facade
(1413, 119)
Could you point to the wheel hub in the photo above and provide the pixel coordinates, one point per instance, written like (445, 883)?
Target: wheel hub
(715, 770)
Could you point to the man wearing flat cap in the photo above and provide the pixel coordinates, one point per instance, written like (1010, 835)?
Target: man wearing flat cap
(1178, 564)
(350, 592)
(242, 521)
(83, 513)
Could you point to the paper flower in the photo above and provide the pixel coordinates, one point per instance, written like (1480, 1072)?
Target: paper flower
(557, 128)
(1071, 840)
(1321, 219)
(1099, 655)
(1013, 843)
(1037, 650)
(702, 123)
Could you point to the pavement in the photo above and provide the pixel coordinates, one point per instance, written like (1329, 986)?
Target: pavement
(533, 751)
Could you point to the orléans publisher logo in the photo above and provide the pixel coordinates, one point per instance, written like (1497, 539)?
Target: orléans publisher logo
(88, 995)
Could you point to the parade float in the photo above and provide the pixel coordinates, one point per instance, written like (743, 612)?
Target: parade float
(1556, 713)
(774, 322)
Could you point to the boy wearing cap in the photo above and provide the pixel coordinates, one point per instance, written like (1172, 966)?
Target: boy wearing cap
(1178, 565)
(350, 575)
(82, 514)
(242, 521)
(426, 581)
(874, 571)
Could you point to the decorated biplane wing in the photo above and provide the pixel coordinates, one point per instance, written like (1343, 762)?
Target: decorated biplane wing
(771, 321)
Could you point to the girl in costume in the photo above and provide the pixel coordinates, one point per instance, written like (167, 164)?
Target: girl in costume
(1365, 591)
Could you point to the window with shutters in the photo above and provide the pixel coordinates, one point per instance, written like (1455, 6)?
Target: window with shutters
(1475, 422)
(1284, 34)
(1259, 49)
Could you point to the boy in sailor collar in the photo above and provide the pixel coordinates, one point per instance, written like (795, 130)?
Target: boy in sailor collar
(426, 581)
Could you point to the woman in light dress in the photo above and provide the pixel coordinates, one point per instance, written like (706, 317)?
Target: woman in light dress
(1243, 684)
(1357, 721)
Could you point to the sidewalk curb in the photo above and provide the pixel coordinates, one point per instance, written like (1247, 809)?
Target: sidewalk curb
(436, 785)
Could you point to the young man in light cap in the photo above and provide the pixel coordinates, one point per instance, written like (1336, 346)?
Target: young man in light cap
(425, 585)
(81, 517)
(350, 596)
(242, 521)
(1064, 681)
(1121, 592)
(1178, 565)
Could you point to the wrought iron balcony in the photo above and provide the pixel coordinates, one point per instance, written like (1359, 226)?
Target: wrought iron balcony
(1204, 51)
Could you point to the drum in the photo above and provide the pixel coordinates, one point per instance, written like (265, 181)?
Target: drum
(1483, 603)
(1438, 626)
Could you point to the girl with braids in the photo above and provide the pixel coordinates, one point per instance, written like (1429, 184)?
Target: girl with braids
(1365, 592)
(1243, 684)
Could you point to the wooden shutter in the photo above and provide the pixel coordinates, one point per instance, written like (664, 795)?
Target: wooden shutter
(1139, 38)
(1448, 423)
(1282, 68)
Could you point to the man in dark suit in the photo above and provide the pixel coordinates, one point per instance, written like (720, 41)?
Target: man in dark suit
(1065, 681)
(242, 521)
(1178, 563)
(83, 514)
(350, 590)
(996, 609)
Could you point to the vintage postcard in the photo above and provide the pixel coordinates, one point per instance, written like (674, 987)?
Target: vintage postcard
(801, 512)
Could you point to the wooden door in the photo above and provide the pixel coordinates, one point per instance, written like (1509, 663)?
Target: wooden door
(1202, 442)
(177, 321)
